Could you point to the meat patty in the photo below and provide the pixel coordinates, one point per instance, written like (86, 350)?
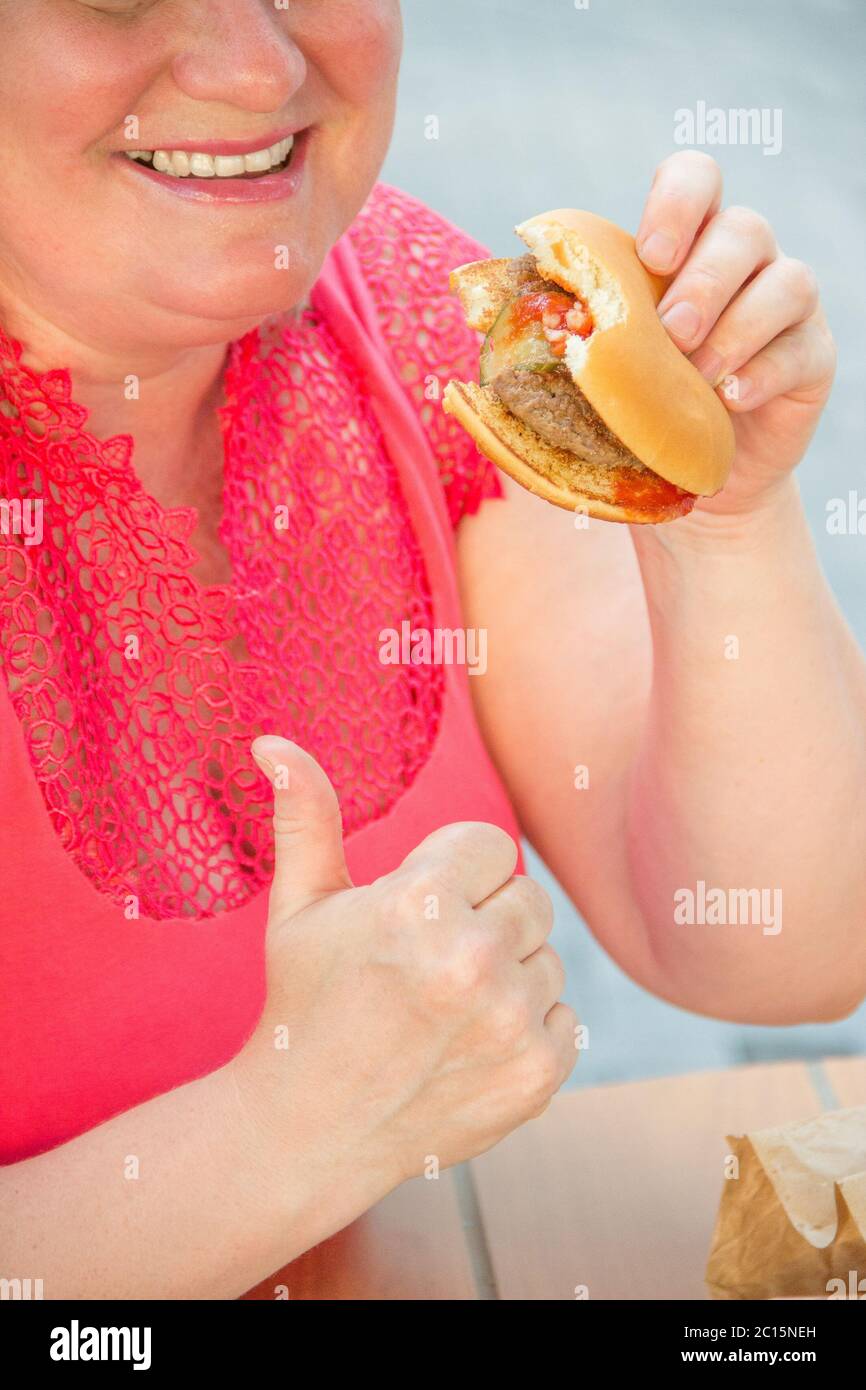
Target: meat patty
(550, 403)
(527, 280)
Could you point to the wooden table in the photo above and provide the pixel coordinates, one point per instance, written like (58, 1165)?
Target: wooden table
(614, 1188)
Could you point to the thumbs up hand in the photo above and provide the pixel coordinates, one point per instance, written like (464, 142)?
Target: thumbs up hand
(419, 1013)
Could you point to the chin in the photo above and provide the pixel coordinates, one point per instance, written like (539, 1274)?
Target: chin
(233, 300)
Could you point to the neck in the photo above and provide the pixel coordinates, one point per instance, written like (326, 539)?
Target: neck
(165, 399)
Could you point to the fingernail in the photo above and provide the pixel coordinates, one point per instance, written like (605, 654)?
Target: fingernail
(708, 363)
(658, 250)
(738, 388)
(266, 766)
(683, 320)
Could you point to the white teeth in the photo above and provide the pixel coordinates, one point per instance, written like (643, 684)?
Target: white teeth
(228, 166)
(204, 166)
(257, 163)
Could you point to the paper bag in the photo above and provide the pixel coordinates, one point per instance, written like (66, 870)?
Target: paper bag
(794, 1221)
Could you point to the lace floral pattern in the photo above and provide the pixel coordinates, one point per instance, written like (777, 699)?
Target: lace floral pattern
(137, 719)
(407, 252)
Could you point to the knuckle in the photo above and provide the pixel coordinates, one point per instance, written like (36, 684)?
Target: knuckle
(402, 905)
(573, 1020)
(673, 202)
(509, 1021)
(406, 909)
(803, 361)
(529, 899)
(800, 280)
(769, 371)
(494, 838)
(787, 356)
(465, 971)
(747, 222)
(705, 282)
(476, 838)
(555, 966)
(541, 1074)
(829, 350)
(415, 890)
(688, 161)
(699, 159)
(818, 335)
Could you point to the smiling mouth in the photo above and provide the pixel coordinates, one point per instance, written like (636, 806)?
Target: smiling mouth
(190, 164)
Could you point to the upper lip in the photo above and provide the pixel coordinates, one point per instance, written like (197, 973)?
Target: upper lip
(225, 147)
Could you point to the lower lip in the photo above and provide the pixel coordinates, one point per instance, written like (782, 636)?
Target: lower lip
(267, 188)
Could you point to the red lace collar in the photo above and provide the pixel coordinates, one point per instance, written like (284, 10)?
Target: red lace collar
(116, 658)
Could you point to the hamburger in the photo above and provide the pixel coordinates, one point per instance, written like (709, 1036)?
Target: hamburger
(583, 398)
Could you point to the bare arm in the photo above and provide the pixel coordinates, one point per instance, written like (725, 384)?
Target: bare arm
(701, 670)
(740, 772)
(217, 1204)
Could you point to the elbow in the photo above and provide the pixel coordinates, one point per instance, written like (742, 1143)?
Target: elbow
(794, 1008)
(838, 1007)
(733, 995)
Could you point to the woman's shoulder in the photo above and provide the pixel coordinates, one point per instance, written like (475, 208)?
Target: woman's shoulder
(406, 252)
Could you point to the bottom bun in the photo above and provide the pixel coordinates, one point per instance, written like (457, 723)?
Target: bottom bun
(611, 493)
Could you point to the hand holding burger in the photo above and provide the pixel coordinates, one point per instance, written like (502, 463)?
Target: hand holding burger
(730, 302)
(583, 397)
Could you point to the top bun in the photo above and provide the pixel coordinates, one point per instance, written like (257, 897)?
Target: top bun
(629, 369)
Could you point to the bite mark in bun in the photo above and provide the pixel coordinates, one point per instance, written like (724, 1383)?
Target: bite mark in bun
(583, 398)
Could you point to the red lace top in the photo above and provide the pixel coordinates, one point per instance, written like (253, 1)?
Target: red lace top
(132, 818)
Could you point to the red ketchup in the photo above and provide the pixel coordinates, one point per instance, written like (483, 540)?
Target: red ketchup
(648, 490)
(557, 313)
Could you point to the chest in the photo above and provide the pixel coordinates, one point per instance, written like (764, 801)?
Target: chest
(152, 642)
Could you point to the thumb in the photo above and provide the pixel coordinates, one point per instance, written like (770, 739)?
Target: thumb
(309, 861)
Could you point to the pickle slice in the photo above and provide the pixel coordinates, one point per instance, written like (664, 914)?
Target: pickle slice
(516, 339)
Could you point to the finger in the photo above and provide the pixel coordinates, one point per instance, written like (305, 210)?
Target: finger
(783, 294)
(561, 1027)
(686, 191)
(735, 244)
(470, 858)
(308, 834)
(542, 976)
(802, 359)
(521, 912)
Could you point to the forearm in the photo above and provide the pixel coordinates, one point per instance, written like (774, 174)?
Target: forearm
(186, 1196)
(751, 766)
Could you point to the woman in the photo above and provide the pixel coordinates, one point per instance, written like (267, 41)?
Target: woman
(272, 338)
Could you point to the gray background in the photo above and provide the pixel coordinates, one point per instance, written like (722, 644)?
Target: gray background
(541, 104)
